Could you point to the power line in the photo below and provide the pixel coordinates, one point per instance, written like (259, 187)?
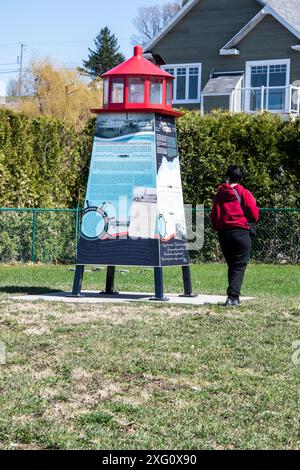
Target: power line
(11, 44)
(47, 42)
(89, 41)
(59, 42)
(24, 72)
(54, 64)
(8, 71)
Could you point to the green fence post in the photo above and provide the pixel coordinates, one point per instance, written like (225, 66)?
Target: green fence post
(33, 247)
(77, 228)
(77, 222)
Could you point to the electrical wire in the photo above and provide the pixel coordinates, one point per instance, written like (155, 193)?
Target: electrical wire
(28, 43)
(9, 71)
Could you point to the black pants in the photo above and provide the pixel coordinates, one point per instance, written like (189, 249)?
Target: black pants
(236, 247)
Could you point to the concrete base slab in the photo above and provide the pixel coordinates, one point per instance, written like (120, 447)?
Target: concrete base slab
(93, 297)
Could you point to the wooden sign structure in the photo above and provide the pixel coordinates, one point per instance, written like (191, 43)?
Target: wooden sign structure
(134, 211)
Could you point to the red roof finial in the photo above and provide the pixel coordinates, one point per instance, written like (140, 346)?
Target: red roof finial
(138, 51)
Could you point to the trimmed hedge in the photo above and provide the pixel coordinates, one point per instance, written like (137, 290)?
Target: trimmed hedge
(44, 162)
(265, 145)
(41, 161)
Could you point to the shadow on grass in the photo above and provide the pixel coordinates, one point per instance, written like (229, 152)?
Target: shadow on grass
(28, 290)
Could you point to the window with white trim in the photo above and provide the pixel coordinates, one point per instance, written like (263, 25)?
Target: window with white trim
(267, 83)
(187, 83)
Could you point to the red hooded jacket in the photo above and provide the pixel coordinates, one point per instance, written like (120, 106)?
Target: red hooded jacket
(227, 212)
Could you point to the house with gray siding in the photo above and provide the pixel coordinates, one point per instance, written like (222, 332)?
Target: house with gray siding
(237, 55)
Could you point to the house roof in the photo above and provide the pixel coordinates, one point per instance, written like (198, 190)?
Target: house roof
(173, 22)
(221, 85)
(288, 9)
(285, 11)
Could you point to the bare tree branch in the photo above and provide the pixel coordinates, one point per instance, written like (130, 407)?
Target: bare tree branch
(150, 20)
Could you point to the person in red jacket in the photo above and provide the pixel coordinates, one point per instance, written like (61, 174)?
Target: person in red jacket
(230, 218)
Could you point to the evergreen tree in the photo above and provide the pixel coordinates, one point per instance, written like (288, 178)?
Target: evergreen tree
(105, 56)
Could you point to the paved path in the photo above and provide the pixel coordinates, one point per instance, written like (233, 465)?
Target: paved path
(93, 297)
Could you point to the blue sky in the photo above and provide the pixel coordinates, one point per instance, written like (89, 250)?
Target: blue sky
(61, 29)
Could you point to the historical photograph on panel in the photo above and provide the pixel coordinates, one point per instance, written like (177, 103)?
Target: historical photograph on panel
(122, 124)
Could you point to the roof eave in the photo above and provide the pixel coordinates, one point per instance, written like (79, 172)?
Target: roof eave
(244, 31)
(229, 52)
(174, 21)
(267, 10)
(284, 22)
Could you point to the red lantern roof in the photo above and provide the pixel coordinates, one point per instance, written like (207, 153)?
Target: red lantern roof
(138, 65)
(137, 85)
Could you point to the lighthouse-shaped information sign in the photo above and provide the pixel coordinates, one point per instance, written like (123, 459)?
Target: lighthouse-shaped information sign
(134, 213)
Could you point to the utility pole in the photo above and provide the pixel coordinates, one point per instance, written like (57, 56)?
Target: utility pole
(21, 70)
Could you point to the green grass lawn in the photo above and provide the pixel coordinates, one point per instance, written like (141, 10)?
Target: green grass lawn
(150, 376)
(207, 279)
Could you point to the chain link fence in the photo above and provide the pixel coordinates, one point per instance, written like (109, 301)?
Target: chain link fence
(50, 236)
(277, 240)
(39, 235)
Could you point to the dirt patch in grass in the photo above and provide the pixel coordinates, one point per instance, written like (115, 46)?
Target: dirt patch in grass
(33, 313)
(19, 446)
(43, 374)
(36, 331)
(41, 318)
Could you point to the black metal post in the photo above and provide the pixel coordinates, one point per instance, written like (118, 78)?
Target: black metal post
(78, 277)
(187, 282)
(159, 285)
(110, 281)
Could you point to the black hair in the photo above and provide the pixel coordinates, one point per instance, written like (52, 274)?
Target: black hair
(235, 174)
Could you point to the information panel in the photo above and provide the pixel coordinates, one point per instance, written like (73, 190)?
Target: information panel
(171, 216)
(133, 213)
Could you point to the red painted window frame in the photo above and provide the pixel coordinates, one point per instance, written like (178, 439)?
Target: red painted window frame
(136, 106)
